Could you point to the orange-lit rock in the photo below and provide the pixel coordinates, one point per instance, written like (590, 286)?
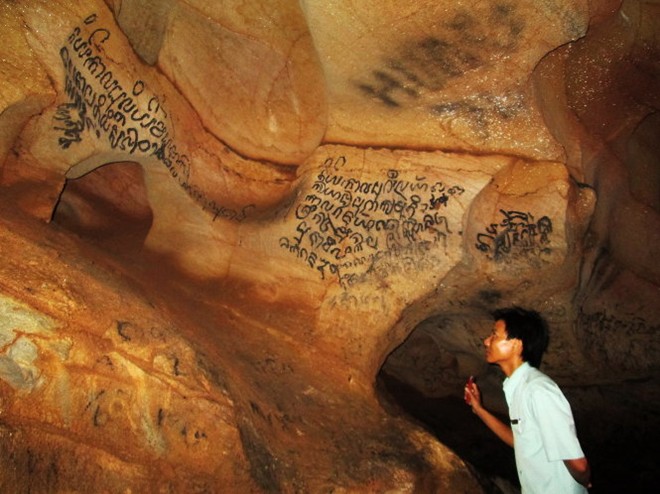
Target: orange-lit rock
(222, 227)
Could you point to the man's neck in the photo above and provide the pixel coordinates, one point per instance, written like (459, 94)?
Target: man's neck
(510, 366)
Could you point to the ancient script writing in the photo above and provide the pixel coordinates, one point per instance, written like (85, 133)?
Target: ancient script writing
(128, 116)
(516, 235)
(349, 228)
(622, 342)
(467, 41)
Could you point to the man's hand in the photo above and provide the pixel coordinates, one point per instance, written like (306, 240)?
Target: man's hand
(473, 399)
(580, 470)
(472, 394)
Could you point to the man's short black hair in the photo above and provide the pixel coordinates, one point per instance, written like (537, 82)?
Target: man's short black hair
(529, 327)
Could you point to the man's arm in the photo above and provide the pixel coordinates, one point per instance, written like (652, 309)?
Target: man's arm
(580, 470)
(555, 419)
(501, 430)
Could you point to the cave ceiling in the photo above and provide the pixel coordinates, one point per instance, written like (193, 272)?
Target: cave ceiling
(221, 223)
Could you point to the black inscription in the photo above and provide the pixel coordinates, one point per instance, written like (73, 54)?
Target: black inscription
(70, 122)
(480, 110)
(125, 113)
(517, 236)
(469, 40)
(622, 343)
(345, 300)
(430, 63)
(350, 228)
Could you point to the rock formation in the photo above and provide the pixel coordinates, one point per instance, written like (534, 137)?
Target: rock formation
(223, 223)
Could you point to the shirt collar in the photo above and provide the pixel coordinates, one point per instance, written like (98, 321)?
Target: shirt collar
(511, 383)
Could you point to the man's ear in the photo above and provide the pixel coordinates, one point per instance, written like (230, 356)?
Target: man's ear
(518, 346)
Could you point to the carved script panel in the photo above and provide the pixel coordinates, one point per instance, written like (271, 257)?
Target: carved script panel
(350, 228)
(624, 343)
(517, 236)
(126, 115)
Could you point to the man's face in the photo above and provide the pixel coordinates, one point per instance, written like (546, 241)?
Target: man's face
(498, 348)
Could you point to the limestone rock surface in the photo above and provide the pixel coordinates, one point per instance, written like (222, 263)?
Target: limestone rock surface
(225, 227)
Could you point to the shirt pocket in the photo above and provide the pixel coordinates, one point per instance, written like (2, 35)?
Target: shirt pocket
(517, 425)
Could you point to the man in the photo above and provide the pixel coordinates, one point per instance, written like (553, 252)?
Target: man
(549, 458)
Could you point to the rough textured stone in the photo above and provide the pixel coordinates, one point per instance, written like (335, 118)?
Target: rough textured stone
(227, 230)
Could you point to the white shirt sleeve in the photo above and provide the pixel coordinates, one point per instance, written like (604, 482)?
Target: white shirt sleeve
(555, 419)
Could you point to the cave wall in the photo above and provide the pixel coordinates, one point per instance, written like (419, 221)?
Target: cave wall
(304, 194)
